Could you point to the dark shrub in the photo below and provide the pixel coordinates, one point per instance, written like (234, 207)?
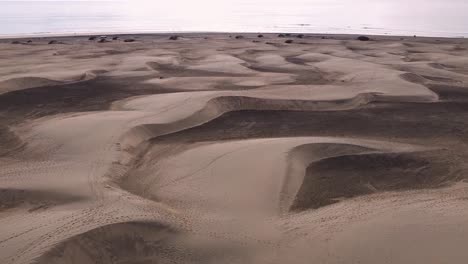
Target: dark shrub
(363, 38)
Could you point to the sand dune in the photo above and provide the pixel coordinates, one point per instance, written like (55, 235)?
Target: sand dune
(128, 243)
(24, 83)
(223, 150)
(333, 179)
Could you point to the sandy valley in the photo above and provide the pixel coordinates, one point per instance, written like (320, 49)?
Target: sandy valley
(217, 149)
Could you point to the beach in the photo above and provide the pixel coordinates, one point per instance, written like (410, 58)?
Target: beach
(233, 148)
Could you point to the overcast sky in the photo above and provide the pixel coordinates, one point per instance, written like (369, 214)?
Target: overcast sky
(391, 15)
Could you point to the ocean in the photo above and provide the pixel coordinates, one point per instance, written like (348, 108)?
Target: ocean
(442, 18)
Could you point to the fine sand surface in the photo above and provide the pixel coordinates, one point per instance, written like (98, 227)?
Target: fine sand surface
(216, 149)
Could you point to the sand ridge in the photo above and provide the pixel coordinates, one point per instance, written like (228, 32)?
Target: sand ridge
(215, 149)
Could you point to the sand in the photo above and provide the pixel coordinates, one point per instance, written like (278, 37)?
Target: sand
(212, 149)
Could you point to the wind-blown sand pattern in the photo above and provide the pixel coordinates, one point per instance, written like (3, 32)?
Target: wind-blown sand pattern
(223, 150)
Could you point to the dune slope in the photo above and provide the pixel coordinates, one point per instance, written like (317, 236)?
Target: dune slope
(211, 149)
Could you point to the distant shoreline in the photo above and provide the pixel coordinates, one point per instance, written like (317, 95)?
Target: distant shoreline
(194, 33)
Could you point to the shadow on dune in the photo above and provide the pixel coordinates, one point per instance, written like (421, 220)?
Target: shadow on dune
(33, 199)
(125, 243)
(91, 95)
(9, 141)
(418, 122)
(138, 243)
(180, 71)
(220, 106)
(299, 159)
(331, 180)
